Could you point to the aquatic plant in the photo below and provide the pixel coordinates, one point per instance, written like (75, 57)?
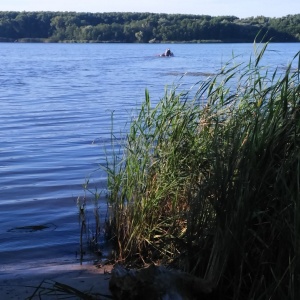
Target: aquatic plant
(211, 184)
(89, 225)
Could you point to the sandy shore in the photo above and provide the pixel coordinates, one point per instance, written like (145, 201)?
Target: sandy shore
(86, 278)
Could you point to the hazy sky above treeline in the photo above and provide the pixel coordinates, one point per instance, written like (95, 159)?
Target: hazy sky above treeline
(238, 8)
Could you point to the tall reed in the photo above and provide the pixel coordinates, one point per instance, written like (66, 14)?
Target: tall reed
(211, 184)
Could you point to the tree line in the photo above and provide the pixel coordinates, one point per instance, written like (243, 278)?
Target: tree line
(143, 27)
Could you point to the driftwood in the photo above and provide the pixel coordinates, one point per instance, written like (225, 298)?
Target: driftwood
(156, 283)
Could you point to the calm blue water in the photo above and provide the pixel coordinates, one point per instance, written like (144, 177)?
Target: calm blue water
(56, 102)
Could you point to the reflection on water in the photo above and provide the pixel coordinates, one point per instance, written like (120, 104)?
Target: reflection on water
(196, 74)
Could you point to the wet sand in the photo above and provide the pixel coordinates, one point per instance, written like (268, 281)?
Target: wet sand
(85, 278)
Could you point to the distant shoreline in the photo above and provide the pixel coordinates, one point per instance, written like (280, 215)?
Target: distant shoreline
(51, 41)
(144, 28)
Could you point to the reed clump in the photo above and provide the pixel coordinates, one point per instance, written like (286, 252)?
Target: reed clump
(211, 184)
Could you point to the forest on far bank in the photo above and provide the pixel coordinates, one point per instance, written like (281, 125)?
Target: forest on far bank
(143, 27)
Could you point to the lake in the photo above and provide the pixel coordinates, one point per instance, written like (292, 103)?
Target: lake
(56, 105)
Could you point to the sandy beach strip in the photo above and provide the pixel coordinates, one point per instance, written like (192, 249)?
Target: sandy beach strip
(85, 278)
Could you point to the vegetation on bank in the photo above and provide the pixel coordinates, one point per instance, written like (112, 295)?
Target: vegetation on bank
(210, 183)
(142, 27)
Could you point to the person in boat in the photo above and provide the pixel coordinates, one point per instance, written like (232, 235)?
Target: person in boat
(168, 52)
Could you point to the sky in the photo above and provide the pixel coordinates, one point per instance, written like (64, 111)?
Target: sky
(238, 8)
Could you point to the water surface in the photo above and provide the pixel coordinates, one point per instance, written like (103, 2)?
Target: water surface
(56, 102)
